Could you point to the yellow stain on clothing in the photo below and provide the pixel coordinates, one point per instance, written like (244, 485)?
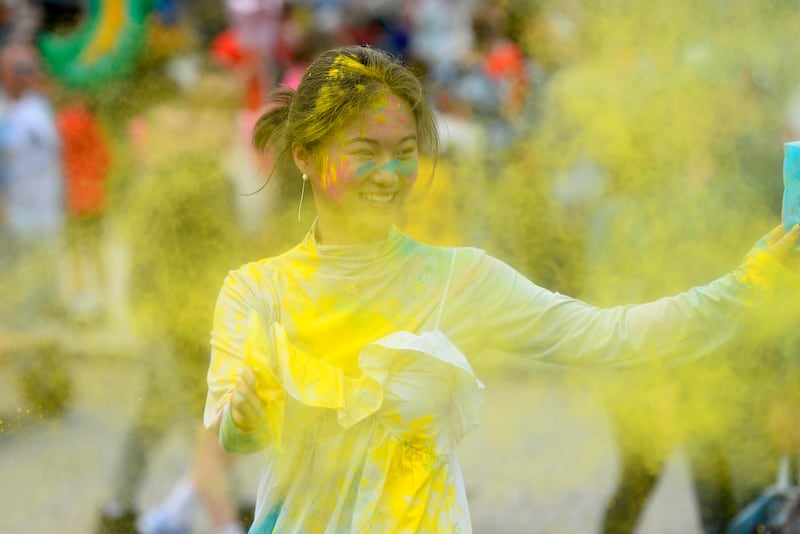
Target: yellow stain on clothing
(413, 483)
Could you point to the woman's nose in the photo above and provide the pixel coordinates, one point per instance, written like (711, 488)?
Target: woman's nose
(386, 174)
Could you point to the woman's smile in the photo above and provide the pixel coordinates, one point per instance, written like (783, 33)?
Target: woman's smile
(380, 199)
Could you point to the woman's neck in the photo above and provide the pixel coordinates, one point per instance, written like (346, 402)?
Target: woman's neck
(350, 233)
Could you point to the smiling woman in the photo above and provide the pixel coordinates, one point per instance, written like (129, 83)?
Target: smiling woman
(355, 127)
(345, 360)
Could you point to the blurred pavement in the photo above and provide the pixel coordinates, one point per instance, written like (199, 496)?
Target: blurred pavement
(541, 462)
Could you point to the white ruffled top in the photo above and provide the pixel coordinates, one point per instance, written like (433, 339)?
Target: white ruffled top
(362, 351)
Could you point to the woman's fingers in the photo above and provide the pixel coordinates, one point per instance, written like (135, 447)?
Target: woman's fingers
(783, 246)
(251, 390)
(245, 416)
(774, 235)
(247, 396)
(246, 408)
(249, 377)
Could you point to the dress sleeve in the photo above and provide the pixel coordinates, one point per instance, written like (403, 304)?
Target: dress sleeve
(518, 317)
(238, 300)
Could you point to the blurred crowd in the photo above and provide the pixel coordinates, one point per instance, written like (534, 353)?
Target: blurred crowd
(614, 155)
(227, 57)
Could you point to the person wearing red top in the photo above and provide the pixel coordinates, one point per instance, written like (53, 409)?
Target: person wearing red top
(86, 162)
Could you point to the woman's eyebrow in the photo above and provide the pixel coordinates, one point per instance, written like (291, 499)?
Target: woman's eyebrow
(411, 137)
(361, 139)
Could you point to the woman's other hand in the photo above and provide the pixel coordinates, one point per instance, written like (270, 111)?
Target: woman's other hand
(247, 409)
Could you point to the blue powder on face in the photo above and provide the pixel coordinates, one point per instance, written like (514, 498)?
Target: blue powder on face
(791, 185)
(400, 167)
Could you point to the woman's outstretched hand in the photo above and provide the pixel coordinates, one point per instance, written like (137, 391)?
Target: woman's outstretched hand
(783, 246)
(773, 264)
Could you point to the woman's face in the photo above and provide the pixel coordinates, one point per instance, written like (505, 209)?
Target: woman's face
(364, 173)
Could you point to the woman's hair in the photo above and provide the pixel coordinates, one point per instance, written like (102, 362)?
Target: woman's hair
(336, 88)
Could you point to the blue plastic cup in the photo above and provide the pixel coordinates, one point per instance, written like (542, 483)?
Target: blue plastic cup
(791, 185)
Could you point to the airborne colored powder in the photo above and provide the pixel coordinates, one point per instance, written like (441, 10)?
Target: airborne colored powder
(647, 161)
(654, 164)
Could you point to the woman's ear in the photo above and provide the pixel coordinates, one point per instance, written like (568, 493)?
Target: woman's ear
(303, 158)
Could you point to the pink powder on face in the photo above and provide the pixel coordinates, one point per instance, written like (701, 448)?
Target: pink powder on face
(338, 177)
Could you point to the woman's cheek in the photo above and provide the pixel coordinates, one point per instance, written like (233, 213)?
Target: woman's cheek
(337, 179)
(408, 171)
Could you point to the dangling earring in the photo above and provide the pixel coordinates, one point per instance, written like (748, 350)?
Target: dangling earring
(302, 192)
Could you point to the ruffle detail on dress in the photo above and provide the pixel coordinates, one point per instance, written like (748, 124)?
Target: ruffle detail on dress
(421, 387)
(431, 393)
(282, 369)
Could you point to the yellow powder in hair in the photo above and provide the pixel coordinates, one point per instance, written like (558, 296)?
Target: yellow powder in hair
(352, 64)
(330, 94)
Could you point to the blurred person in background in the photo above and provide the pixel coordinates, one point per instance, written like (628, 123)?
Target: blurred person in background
(31, 191)
(86, 160)
(440, 36)
(379, 24)
(259, 209)
(502, 61)
(482, 113)
(207, 17)
(183, 236)
(255, 27)
(20, 21)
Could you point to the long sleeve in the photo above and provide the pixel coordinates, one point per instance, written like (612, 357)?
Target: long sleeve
(236, 303)
(516, 316)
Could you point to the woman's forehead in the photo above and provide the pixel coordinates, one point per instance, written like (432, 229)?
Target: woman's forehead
(386, 116)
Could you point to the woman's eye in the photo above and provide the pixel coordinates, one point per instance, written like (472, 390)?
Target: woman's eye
(407, 153)
(363, 153)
